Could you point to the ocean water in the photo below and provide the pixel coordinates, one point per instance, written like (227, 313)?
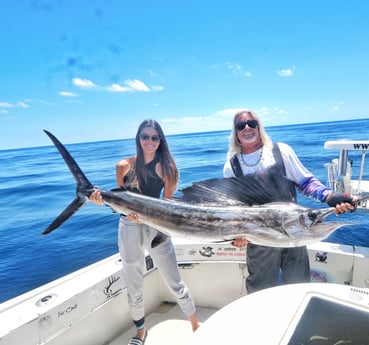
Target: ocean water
(35, 186)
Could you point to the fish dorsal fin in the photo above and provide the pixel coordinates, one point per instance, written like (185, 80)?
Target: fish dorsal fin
(253, 189)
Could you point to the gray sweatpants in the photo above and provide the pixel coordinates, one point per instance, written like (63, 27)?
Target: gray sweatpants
(133, 239)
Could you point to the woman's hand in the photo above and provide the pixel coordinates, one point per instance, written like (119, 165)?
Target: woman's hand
(133, 217)
(96, 197)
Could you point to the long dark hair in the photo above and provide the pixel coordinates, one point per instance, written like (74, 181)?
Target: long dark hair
(163, 155)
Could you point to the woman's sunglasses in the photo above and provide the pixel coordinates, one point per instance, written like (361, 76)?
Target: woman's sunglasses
(146, 138)
(242, 124)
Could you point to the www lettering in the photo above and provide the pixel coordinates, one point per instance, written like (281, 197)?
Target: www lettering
(361, 146)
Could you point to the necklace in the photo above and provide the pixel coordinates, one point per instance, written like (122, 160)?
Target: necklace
(252, 167)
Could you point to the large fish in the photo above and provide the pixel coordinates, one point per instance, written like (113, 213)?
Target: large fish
(212, 210)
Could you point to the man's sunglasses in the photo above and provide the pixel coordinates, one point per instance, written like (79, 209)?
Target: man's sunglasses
(242, 124)
(146, 138)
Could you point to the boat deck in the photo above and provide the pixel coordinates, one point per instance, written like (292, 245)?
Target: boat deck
(166, 326)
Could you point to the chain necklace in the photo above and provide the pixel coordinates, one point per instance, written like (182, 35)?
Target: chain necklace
(252, 167)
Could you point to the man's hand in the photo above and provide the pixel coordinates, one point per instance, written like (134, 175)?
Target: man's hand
(342, 202)
(240, 242)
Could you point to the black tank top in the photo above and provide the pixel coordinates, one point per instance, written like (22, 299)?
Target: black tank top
(153, 184)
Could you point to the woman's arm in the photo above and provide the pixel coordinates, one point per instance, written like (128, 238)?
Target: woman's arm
(169, 186)
(169, 189)
(121, 170)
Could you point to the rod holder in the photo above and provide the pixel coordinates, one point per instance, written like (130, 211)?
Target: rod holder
(342, 163)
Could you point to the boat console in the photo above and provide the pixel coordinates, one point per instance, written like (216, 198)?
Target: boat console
(296, 314)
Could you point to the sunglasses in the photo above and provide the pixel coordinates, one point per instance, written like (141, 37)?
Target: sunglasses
(146, 138)
(241, 125)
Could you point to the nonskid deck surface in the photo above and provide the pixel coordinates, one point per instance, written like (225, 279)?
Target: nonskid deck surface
(166, 326)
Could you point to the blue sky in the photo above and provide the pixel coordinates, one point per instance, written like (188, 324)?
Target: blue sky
(90, 70)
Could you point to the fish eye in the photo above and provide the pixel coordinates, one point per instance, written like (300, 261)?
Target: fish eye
(312, 216)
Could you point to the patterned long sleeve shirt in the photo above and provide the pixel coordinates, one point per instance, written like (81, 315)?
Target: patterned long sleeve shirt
(309, 185)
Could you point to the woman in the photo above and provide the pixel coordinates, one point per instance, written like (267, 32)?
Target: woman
(151, 172)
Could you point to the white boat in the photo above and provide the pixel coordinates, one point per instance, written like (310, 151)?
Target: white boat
(90, 306)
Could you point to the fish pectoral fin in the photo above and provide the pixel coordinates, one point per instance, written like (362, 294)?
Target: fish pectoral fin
(289, 227)
(68, 212)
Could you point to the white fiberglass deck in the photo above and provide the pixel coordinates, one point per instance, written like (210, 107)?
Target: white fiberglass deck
(167, 326)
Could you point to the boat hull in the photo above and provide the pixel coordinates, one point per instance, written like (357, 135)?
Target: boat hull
(90, 306)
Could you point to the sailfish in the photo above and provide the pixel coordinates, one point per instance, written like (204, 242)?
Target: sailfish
(214, 210)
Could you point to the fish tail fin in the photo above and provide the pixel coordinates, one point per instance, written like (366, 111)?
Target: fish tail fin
(83, 190)
(68, 212)
(79, 176)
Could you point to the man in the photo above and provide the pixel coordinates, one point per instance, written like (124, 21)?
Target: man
(251, 151)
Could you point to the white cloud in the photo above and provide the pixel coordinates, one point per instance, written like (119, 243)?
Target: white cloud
(279, 110)
(338, 106)
(137, 85)
(129, 85)
(5, 105)
(262, 111)
(22, 105)
(227, 113)
(19, 104)
(68, 94)
(236, 68)
(285, 72)
(133, 85)
(83, 83)
(157, 88)
(220, 120)
(118, 88)
(44, 102)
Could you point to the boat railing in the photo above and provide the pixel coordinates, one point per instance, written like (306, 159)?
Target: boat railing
(333, 180)
(339, 171)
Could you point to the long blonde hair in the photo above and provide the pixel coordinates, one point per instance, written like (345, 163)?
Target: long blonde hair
(234, 145)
